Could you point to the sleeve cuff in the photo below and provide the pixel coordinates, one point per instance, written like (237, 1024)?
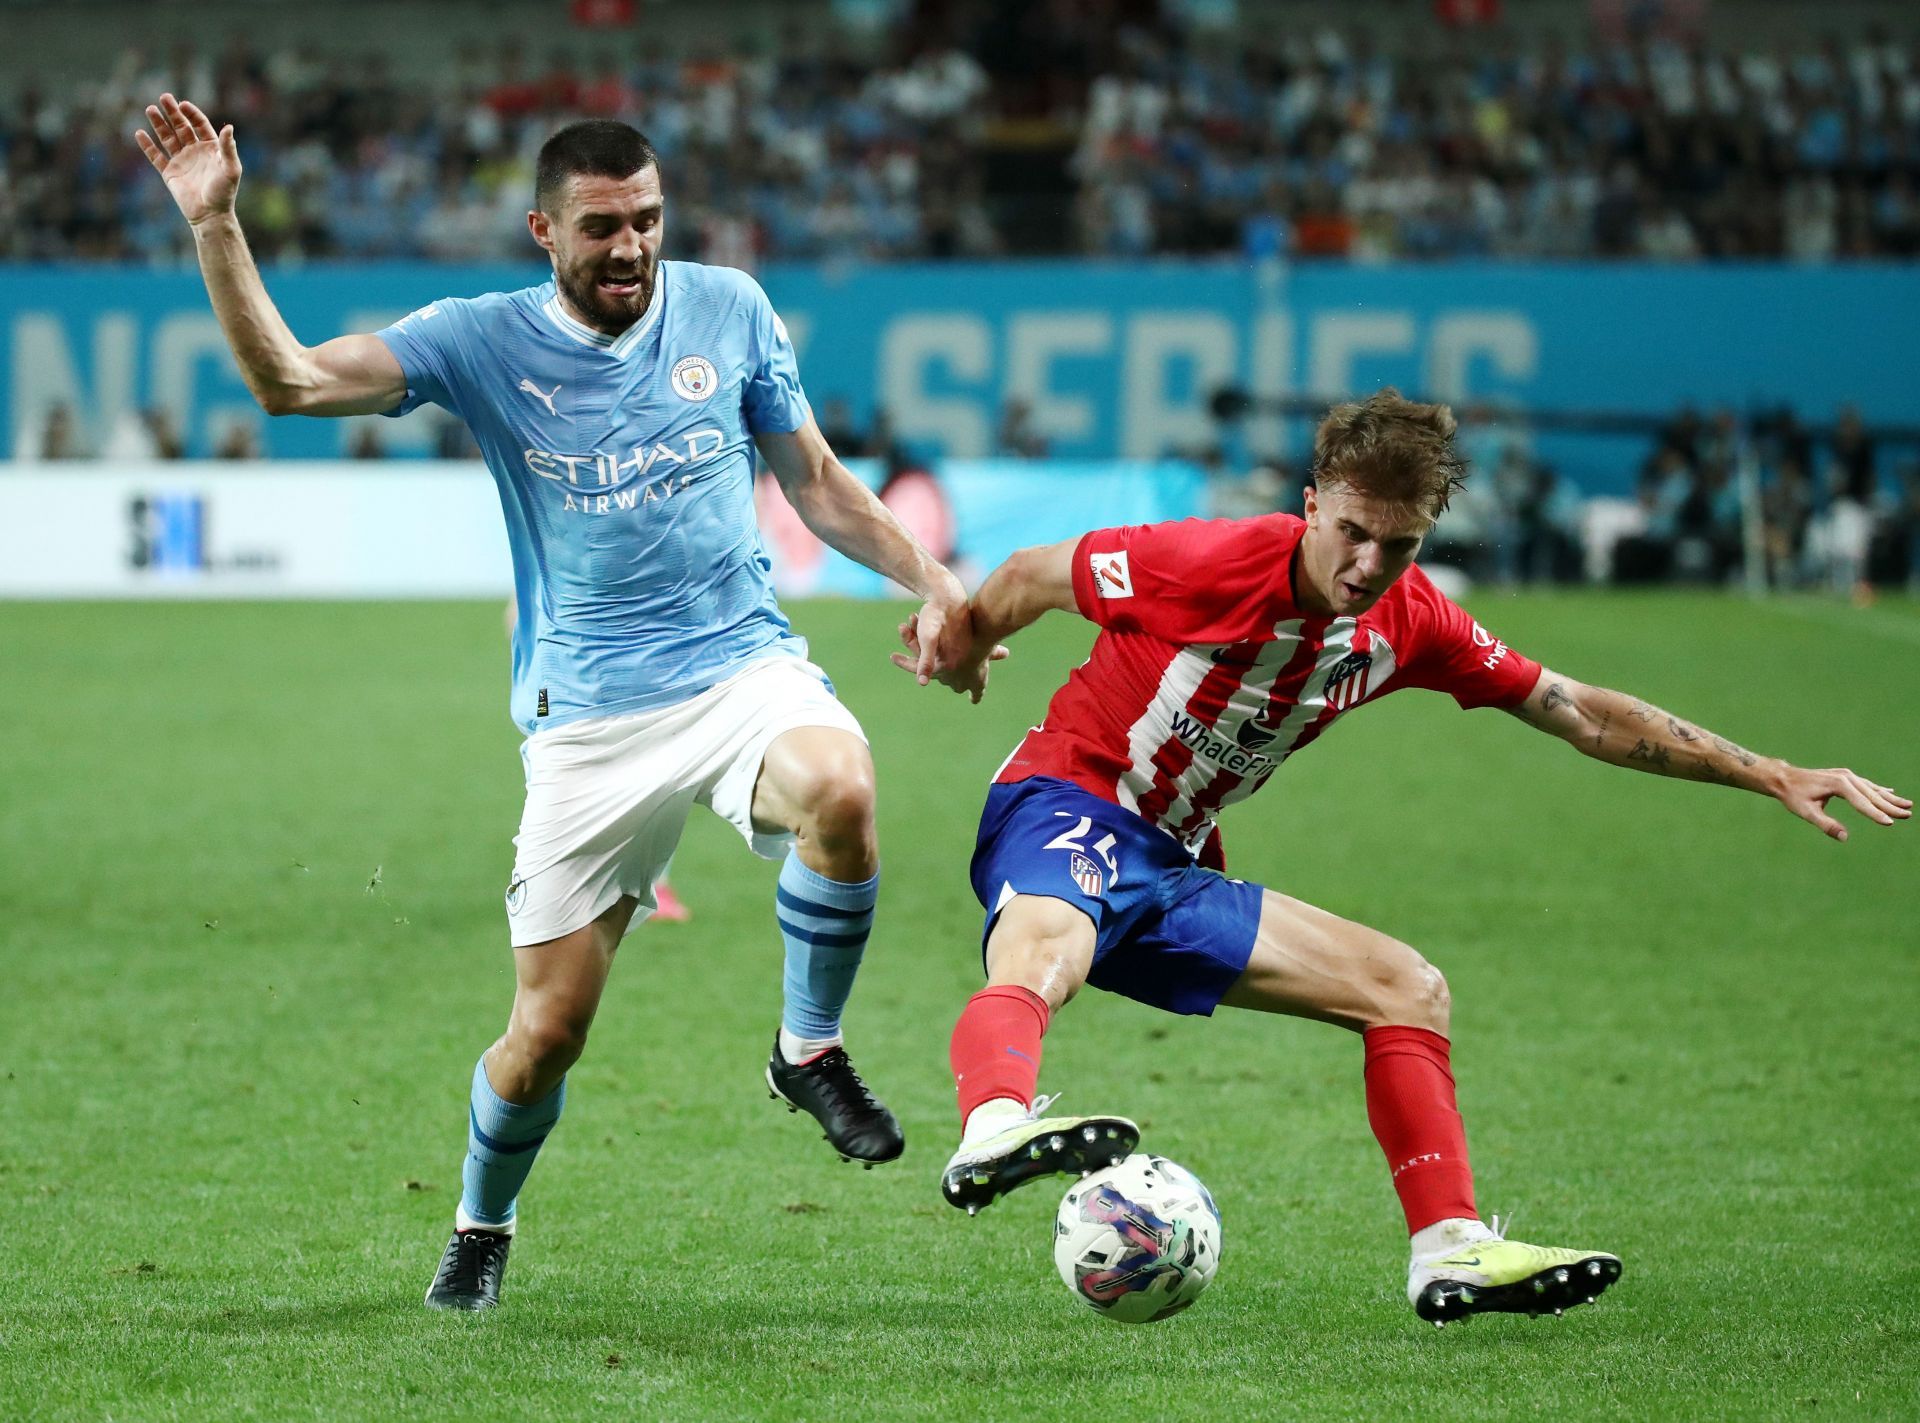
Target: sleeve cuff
(1082, 572)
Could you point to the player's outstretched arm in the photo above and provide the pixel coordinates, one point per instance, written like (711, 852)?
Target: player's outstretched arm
(846, 515)
(1622, 730)
(351, 375)
(1016, 593)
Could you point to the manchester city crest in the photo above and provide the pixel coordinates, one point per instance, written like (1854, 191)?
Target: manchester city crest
(694, 378)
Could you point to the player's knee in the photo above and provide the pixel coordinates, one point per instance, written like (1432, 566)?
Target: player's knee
(1396, 986)
(552, 1037)
(1041, 945)
(1046, 968)
(1423, 999)
(837, 797)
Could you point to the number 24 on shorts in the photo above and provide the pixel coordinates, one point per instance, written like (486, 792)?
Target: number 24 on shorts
(1085, 873)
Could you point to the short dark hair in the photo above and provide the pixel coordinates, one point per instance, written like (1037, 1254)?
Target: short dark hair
(1390, 448)
(604, 148)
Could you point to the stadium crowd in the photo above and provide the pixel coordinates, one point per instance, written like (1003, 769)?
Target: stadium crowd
(1329, 147)
(1717, 499)
(1164, 138)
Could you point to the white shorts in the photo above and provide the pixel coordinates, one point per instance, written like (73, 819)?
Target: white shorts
(607, 796)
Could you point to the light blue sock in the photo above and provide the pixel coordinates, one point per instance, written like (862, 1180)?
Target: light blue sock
(502, 1140)
(825, 925)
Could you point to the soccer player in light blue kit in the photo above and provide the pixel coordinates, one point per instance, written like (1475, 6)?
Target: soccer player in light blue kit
(618, 406)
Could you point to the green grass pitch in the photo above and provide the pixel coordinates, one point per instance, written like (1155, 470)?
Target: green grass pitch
(251, 860)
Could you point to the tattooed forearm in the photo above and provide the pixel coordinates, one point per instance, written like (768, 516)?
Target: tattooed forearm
(1623, 730)
(1653, 755)
(1626, 731)
(1542, 716)
(1739, 753)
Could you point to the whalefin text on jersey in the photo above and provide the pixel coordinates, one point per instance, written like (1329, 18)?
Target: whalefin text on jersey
(1207, 674)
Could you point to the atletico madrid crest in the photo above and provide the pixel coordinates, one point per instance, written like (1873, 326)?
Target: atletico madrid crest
(1347, 683)
(1087, 875)
(1353, 677)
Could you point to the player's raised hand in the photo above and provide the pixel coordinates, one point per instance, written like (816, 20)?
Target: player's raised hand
(969, 678)
(945, 636)
(1806, 794)
(201, 166)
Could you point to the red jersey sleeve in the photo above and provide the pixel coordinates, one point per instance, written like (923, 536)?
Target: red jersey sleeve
(1457, 656)
(1195, 581)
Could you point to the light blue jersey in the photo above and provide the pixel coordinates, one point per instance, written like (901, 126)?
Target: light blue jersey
(625, 470)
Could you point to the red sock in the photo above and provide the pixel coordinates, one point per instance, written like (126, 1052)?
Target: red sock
(995, 1050)
(1411, 1109)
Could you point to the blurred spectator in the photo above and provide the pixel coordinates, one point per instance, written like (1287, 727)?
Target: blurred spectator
(1851, 473)
(239, 440)
(1017, 436)
(1845, 533)
(1262, 489)
(917, 500)
(1702, 550)
(452, 440)
(1323, 228)
(1665, 481)
(56, 437)
(843, 437)
(143, 435)
(1547, 529)
(882, 442)
(1786, 504)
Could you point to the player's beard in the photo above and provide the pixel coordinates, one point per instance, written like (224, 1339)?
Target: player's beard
(609, 312)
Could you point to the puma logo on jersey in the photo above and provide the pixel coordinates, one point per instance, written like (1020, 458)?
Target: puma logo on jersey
(545, 395)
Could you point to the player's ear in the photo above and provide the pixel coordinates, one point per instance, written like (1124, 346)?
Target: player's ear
(541, 226)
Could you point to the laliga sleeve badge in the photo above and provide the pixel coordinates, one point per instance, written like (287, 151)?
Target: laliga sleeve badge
(1111, 577)
(694, 378)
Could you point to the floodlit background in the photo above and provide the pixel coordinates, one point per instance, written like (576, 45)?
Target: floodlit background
(1049, 265)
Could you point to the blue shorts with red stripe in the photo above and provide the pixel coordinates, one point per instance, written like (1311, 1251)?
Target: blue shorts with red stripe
(1166, 932)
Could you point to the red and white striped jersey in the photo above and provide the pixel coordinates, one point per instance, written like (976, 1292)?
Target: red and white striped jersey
(1207, 674)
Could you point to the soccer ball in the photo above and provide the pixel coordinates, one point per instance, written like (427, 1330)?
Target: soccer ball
(1137, 1241)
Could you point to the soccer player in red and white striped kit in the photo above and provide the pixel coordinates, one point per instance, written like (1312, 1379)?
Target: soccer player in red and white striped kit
(1226, 646)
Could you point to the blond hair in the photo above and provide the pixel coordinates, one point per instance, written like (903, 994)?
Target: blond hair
(1390, 448)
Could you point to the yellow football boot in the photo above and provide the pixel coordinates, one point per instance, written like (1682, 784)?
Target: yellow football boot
(1033, 1145)
(1507, 1277)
